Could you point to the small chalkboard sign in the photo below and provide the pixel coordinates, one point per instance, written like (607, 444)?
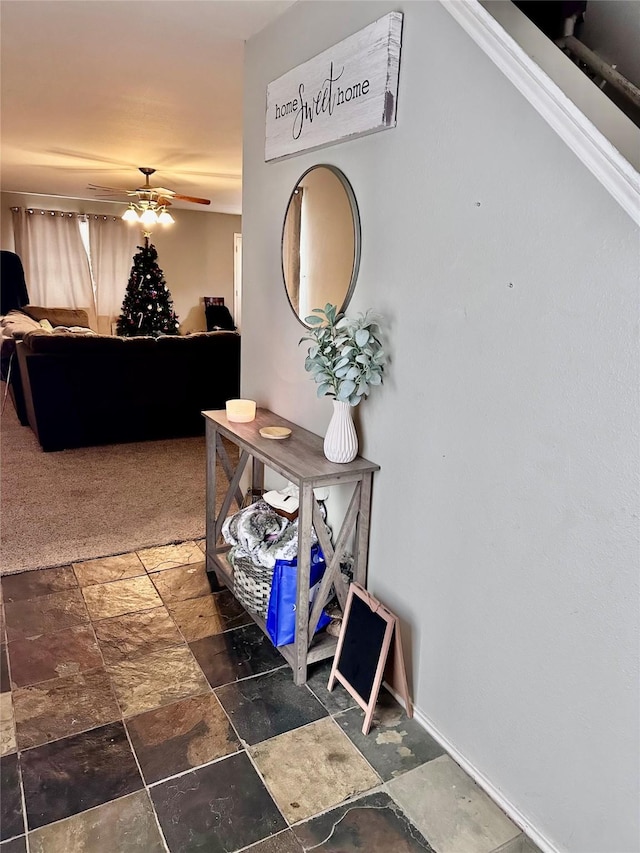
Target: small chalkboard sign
(362, 654)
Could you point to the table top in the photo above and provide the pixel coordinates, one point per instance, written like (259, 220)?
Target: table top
(300, 457)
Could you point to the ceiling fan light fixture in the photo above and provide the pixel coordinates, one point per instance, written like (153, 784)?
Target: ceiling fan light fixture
(131, 215)
(149, 217)
(149, 204)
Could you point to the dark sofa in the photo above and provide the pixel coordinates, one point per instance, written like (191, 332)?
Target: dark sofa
(96, 389)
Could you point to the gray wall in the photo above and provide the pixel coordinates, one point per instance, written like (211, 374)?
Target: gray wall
(504, 528)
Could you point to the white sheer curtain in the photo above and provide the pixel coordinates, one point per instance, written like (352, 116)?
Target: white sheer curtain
(54, 260)
(112, 244)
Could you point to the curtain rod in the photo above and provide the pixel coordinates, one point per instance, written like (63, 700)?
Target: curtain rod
(102, 216)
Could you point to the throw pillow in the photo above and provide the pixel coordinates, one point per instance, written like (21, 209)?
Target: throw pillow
(16, 324)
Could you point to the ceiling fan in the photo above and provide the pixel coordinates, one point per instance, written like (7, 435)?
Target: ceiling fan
(148, 194)
(148, 205)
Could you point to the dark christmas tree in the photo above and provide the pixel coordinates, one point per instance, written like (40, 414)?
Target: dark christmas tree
(147, 308)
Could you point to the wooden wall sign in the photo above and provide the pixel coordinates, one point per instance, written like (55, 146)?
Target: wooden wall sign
(344, 92)
(368, 635)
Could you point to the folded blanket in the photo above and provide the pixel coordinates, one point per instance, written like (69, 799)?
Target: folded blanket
(258, 532)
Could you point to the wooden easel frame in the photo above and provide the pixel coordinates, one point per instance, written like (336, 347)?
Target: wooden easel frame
(394, 668)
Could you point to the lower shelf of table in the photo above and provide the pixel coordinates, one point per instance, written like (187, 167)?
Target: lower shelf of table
(323, 645)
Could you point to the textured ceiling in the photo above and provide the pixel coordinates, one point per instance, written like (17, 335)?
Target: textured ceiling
(92, 90)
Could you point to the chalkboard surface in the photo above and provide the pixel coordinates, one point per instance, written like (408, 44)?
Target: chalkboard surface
(361, 647)
(369, 633)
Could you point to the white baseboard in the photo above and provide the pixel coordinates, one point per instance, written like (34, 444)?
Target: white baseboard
(487, 786)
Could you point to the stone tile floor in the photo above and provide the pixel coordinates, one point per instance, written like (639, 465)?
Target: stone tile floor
(140, 713)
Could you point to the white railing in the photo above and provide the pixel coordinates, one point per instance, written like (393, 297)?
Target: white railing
(601, 68)
(598, 154)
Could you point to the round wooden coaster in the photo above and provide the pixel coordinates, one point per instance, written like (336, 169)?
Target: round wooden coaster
(275, 432)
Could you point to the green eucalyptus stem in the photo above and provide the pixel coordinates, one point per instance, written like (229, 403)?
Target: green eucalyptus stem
(346, 358)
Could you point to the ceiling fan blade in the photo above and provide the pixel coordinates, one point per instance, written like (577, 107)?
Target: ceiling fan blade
(111, 195)
(111, 189)
(192, 199)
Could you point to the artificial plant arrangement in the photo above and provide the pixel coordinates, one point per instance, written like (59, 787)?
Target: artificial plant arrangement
(346, 359)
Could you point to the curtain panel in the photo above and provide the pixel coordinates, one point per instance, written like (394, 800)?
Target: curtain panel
(112, 244)
(64, 271)
(54, 260)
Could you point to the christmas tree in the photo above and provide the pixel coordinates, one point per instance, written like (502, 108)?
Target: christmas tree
(147, 308)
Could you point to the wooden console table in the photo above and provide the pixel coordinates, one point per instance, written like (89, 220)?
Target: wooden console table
(299, 458)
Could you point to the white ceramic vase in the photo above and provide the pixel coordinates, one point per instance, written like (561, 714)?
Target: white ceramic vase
(341, 440)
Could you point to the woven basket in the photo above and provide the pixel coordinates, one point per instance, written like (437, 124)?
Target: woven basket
(251, 584)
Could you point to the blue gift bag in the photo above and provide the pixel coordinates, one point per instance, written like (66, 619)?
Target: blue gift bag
(281, 613)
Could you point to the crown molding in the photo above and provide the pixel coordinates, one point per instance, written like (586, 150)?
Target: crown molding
(602, 158)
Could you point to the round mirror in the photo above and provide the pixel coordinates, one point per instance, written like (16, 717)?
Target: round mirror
(320, 241)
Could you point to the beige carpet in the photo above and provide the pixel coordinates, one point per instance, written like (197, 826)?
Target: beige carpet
(74, 505)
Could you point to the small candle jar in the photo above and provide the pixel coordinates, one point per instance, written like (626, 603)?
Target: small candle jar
(241, 411)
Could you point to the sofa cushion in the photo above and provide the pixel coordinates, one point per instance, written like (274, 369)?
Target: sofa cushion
(190, 343)
(79, 344)
(39, 341)
(58, 316)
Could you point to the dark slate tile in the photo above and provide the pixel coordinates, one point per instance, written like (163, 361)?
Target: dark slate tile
(16, 845)
(157, 679)
(395, 743)
(136, 634)
(236, 654)
(208, 615)
(269, 705)
(127, 825)
(317, 679)
(107, 569)
(62, 653)
(164, 557)
(218, 808)
(75, 774)
(45, 614)
(7, 725)
(34, 584)
(312, 769)
(105, 600)
(5, 685)
(62, 707)
(450, 809)
(11, 822)
(181, 736)
(373, 822)
(180, 584)
(283, 842)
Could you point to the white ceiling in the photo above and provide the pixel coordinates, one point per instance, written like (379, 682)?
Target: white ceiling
(92, 90)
